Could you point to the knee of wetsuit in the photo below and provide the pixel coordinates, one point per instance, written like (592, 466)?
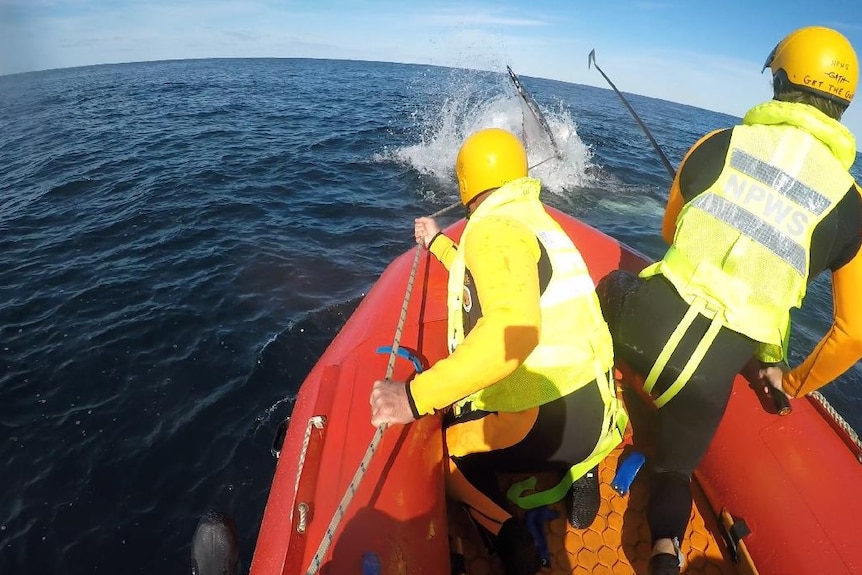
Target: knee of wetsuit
(612, 291)
(669, 505)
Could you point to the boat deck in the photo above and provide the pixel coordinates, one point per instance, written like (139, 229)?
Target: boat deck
(617, 542)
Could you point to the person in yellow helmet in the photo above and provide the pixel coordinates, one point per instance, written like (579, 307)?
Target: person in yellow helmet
(518, 392)
(755, 213)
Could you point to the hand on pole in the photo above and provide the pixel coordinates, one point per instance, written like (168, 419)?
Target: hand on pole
(773, 375)
(771, 379)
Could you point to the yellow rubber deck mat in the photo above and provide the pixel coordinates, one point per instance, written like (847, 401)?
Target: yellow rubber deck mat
(617, 543)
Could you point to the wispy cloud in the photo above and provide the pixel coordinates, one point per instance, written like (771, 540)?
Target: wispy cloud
(653, 5)
(843, 25)
(662, 52)
(482, 18)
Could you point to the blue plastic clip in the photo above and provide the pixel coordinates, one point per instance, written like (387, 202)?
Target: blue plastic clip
(405, 353)
(627, 471)
(536, 521)
(370, 563)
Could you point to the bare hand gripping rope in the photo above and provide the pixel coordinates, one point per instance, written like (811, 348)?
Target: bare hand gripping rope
(317, 560)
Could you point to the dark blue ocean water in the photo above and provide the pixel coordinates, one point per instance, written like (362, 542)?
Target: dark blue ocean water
(179, 240)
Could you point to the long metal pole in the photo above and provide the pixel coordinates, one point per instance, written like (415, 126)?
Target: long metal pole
(671, 172)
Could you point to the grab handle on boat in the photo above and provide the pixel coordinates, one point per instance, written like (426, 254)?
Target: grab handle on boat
(278, 439)
(405, 353)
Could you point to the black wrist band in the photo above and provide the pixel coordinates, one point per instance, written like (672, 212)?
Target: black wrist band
(412, 403)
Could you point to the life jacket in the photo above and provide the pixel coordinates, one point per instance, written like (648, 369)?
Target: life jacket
(574, 343)
(575, 346)
(741, 249)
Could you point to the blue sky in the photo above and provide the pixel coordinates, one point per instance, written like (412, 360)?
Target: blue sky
(704, 53)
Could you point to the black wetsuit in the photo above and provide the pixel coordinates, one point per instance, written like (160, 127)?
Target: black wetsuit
(642, 315)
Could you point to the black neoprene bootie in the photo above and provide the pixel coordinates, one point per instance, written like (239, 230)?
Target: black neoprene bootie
(583, 501)
(517, 549)
(664, 564)
(215, 545)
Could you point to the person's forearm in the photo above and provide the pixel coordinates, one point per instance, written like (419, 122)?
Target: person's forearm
(444, 249)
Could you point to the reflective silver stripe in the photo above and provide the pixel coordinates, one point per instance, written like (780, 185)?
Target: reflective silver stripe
(780, 181)
(752, 226)
(557, 293)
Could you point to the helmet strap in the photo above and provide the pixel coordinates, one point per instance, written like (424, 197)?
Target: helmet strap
(780, 83)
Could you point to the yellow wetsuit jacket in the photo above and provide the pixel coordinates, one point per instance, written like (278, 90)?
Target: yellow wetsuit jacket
(835, 245)
(514, 359)
(486, 356)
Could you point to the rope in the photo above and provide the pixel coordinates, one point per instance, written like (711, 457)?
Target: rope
(378, 435)
(447, 209)
(836, 417)
(345, 501)
(316, 422)
(353, 486)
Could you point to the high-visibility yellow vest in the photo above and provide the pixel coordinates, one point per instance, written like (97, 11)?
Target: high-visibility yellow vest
(575, 345)
(741, 250)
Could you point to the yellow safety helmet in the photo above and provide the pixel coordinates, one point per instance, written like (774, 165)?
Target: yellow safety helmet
(487, 160)
(818, 60)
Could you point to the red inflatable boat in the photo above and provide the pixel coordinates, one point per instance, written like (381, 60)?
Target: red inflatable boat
(776, 495)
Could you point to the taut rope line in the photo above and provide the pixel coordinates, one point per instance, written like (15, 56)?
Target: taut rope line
(325, 543)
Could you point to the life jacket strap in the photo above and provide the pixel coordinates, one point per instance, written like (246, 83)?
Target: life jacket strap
(613, 426)
(693, 361)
